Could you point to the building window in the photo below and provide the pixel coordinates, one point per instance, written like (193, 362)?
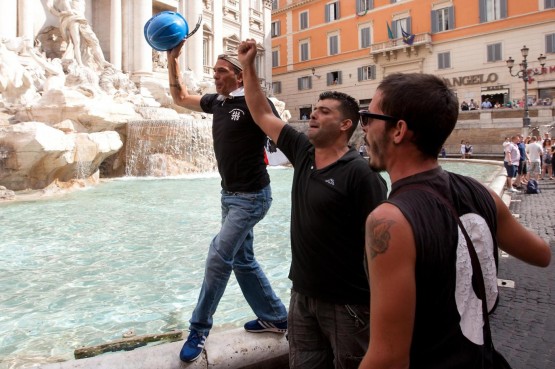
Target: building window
(255, 4)
(207, 56)
(303, 21)
(550, 43)
(494, 52)
(364, 35)
(231, 43)
(275, 58)
(304, 50)
(443, 19)
(276, 29)
(364, 103)
(444, 60)
(304, 112)
(333, 78)
(366, 73)
(549, 4)
(491, 10)
(304, 83)
(364, 5)
(276, 87)
(332, 11)
(275, 4)
(399, 25)
(206, 60)
(333, 44)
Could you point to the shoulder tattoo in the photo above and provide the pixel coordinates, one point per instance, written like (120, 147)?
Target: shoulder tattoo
(377, 236)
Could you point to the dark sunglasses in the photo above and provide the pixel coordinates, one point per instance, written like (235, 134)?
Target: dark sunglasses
(366, 117)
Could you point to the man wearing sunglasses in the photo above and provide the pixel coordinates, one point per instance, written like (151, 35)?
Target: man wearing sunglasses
(246, 198)
(424, 309)
(333, 192)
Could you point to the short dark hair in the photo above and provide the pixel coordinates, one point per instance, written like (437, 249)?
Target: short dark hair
(425, 102)
(348, 107)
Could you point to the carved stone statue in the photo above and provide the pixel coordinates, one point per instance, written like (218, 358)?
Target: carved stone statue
(76, 30)
(16, 82)
(159, 60)
(114, 82)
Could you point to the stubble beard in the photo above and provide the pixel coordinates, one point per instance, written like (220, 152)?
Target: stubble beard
(375, 157)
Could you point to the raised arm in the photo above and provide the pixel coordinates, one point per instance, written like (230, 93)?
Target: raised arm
(257, 102)
(391, 256)
(178, 89)
(516, 240)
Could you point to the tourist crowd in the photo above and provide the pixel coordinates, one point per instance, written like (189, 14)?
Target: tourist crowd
(494, 104)
(528, 158)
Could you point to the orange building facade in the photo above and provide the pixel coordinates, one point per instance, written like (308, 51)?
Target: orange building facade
(350, 45)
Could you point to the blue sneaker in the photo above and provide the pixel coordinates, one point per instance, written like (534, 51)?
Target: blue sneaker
(192, 348)
(258, 326)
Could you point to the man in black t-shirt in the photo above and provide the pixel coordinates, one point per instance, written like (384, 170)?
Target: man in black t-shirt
(333, 192)
(246, 198)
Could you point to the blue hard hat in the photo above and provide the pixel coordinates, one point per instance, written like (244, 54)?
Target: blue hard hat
(165, 30)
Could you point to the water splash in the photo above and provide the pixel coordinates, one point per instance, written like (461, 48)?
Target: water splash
(83, 156)
(163, 148)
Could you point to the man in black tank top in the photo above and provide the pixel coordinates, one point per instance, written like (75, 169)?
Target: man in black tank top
(424, 312)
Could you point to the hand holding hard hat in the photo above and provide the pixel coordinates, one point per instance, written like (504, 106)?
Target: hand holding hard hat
(165, 30)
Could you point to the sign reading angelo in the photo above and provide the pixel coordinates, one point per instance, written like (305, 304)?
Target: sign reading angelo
(475, 79)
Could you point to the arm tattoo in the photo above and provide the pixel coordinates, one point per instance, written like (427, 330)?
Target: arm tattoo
(378, 236)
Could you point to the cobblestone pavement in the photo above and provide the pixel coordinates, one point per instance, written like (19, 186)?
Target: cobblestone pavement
(523, 326)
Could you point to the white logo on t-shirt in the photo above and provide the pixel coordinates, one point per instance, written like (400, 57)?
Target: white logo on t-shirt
(236, 114)
(468, 304)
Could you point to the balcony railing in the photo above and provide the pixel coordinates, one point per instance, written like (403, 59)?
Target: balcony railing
(389, 48)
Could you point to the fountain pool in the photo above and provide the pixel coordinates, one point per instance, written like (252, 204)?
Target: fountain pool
(128, 254)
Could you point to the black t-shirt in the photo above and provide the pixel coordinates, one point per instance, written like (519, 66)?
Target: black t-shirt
(448, 331)
(238, 143)
(328, 214)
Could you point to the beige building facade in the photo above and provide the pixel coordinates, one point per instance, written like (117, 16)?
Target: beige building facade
(350, 46)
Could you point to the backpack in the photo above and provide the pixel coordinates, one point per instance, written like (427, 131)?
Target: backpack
(532, 187)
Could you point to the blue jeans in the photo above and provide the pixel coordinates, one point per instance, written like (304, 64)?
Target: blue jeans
(324, 335)
(232, 249)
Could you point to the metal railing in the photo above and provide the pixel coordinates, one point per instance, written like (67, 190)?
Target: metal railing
(421, 39)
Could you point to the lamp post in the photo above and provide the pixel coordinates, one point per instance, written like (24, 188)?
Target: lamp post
(524, 74)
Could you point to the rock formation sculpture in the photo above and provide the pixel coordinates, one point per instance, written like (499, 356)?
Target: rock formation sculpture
(64, 110)
(60, 116)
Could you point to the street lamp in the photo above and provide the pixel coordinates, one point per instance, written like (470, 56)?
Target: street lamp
(524, 74)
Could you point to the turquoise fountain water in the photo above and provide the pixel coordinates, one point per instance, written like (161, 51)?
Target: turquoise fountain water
(129, 254)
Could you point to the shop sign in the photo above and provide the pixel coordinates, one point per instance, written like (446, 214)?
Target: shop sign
(494, 88)
(475, 79)
(544, 70)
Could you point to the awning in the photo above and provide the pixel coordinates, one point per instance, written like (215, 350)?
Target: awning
(494, 92)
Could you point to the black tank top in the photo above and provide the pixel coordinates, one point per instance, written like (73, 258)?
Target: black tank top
(448, 324)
